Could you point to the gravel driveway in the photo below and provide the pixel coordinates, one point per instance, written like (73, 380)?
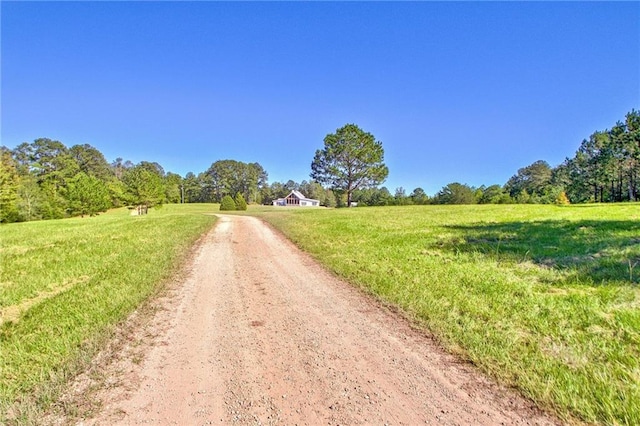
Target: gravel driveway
(258, 333)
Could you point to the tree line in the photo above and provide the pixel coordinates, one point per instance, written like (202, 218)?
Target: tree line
(605, 168)
(47, 180)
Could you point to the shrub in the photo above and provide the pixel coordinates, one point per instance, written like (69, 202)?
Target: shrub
(241, 204)
(562, 199)
(227, 203)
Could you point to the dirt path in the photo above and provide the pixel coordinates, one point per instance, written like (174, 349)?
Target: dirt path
(258, 333)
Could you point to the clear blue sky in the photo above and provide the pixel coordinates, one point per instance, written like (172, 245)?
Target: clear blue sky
(456, 91)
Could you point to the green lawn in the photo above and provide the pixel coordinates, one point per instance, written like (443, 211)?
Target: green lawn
(65, 284)
(543, 298)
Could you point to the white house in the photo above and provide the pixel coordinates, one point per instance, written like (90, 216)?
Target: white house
(297, 199)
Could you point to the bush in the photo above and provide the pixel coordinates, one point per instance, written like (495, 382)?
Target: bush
(241, 204)
(227, 203)
(562, 199)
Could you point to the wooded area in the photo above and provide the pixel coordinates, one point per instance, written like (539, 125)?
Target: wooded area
(47, 180)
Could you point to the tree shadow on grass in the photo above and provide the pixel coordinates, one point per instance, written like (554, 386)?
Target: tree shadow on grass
(593, 251)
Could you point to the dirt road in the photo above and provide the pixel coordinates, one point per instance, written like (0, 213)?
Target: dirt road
(258, 333)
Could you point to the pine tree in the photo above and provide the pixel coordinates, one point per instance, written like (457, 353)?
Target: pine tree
(241, 204)
(227, 203)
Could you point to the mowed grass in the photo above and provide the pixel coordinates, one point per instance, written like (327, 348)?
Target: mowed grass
(65, 285)
(543, 298)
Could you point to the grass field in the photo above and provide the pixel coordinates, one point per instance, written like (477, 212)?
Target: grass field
(544, 298)
(65, 285)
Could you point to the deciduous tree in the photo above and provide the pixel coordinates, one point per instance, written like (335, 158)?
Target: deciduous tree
(30, 199)
(456, 193)
(9, 185)
(535, 179)
(400, 198)
(311, 189)
(495, 194)
(144, 185)
(228, 177)
(418, 196)
(173, 187)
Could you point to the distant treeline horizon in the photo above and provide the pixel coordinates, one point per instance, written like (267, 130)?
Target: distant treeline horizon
(47, 180)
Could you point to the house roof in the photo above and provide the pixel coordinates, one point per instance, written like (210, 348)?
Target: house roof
(299, 195)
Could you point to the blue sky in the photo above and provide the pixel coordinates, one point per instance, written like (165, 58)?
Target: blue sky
(456, 91)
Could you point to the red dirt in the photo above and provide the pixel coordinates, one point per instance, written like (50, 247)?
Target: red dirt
(258, 333)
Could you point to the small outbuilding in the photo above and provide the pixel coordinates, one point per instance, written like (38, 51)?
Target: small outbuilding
(296, 199)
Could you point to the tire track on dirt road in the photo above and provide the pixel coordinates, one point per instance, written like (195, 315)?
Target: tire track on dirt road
(259, 333)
